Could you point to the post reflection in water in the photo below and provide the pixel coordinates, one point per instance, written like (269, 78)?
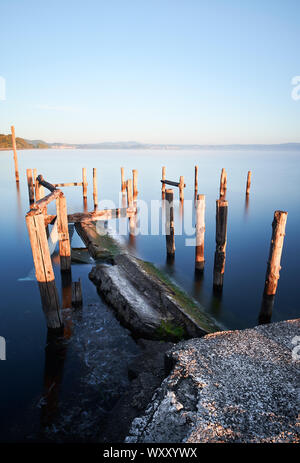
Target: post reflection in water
(266, 309)
(247, 202)
(55, 355)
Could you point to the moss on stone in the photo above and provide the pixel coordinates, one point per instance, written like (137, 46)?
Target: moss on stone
(193, 309)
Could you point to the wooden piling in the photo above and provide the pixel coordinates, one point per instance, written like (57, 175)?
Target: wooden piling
(248, 183)
(44, 270)
(134, 183)
(170, 234)
(30, 186)
(181, 188)
(273, 267)
(84, 182)
(200, 233)
(223, 184)
(123, 183)
(129, 193)
(221, 240)
(196, 179)
(14, 146)
(95, 188)
(63, 234)
(163, 177)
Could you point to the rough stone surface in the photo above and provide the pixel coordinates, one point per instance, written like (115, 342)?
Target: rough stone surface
(234, 386)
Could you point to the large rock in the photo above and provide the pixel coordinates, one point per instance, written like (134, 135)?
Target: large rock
(234, 386)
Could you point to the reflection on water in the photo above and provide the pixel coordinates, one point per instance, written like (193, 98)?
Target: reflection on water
(85, 370)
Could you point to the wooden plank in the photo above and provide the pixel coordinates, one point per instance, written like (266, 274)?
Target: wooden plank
(41, 204)
(46, 184)
(106, 214)
(14, 146)
(200, 233)
(60, 185)
(63, 234)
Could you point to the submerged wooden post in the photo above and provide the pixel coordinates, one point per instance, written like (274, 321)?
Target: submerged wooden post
(14, 146)
(196, 179)
(123, 183)
(129, 193)
(44, 270)
(181, 188)
(170, 238)
(248, 183)
(134, 183)
(273, 266)
(84, 183)
(30, 186)
(223, 184)
(200, 232)
(63, 234)
(163, 177)
(221, 240)
(95, 188)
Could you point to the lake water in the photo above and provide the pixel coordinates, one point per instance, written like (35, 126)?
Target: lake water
(100, 357)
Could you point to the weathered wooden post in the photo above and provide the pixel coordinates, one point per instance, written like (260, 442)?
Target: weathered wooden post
(223, 184)
(200, 233)
(221, 240)
(123, 183)
(14, 146)
(248, 183)
(196, 180)
(181, 188)
(30, 186)
(170, 235)
(129, 193)
(163, 177)
(273, 266)
(63, 234)
(95, 188)
(84, 183)
(43, 269)
(134, 182)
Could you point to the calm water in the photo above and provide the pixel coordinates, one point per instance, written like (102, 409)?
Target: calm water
(99, 347)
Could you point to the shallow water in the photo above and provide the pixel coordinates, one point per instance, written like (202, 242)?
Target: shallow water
(274, 186)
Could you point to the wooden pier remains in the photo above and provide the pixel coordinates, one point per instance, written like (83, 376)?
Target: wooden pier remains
(14, 147)
(273, 266)
(248, 184)
(95, 189)
(200, 233)
(223, 184)
(221, 241)
(196, 180)
(181, 185)
(170, 234)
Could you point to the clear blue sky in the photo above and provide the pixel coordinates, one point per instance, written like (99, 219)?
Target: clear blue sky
(157, 71)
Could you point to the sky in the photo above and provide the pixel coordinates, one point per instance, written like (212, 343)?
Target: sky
(152, 71)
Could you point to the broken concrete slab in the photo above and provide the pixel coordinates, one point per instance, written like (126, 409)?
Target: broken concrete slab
(231, 386)
(144, 298)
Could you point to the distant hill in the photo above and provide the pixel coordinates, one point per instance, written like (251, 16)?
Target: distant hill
(22, 144)
(5, 143)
